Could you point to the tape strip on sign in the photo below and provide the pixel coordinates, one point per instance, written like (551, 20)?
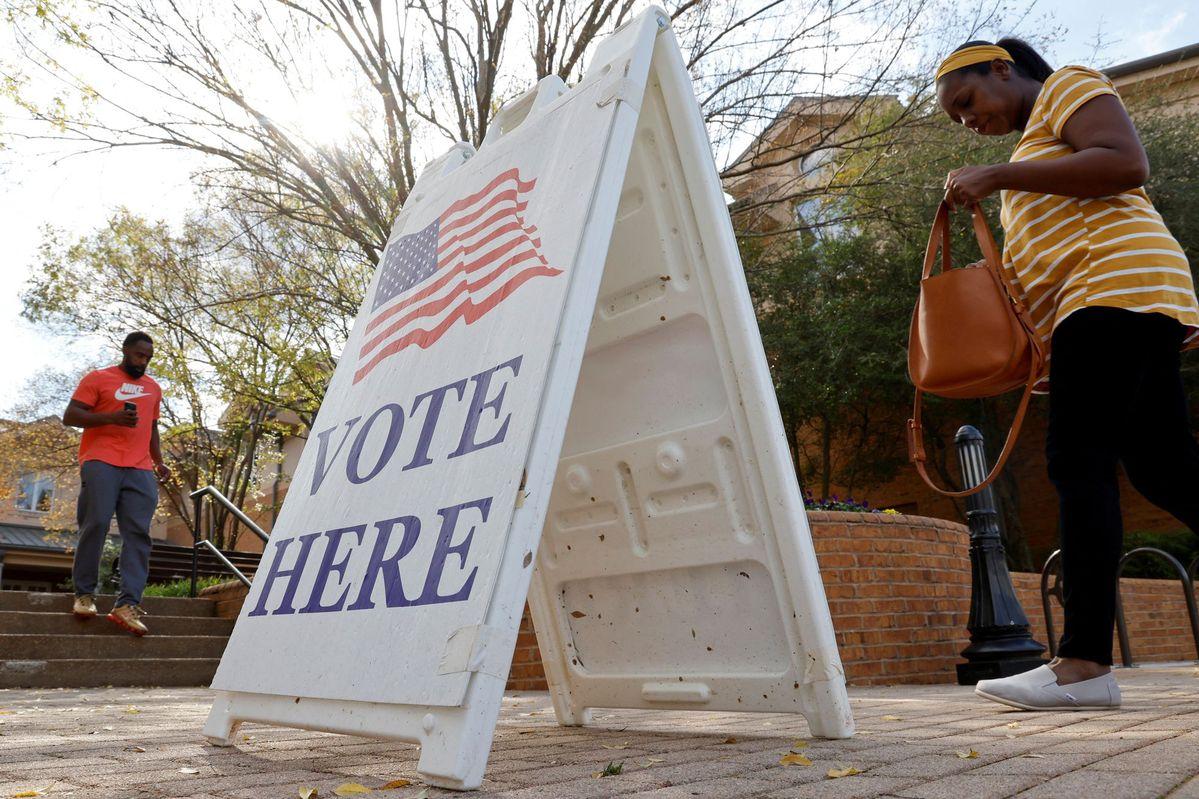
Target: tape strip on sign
(822, 665)
(478, 648)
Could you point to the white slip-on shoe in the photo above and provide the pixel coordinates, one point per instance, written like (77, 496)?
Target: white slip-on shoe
(1038, 690)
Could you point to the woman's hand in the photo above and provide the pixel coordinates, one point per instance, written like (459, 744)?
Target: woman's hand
(970, 184)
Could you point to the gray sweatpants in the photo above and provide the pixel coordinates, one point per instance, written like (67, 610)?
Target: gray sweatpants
(132, 494)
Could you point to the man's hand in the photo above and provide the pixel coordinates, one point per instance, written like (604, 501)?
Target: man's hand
(123, 417)
(163, 471)
(970, 184)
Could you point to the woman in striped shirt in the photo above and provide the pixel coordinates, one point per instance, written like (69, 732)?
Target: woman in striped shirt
(1111, 294)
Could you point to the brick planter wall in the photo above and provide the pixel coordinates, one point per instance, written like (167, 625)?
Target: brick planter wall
(898, 590)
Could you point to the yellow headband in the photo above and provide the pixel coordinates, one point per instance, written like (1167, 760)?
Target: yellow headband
(978, 54)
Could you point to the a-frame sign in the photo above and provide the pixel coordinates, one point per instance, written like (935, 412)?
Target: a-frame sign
(555, 389)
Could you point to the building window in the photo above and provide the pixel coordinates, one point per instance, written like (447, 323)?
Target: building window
(35, 493)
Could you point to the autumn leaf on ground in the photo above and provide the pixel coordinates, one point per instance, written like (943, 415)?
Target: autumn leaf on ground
(189, 770)
(132, 709)
(138, 749)
(892, 718)
(794, 759)
(401, 783)
(729, 740)
(308, 793)
(838, 773)
(969, 754)
(1012, 724)
(23, 794)
(350, 789)
(797, 745)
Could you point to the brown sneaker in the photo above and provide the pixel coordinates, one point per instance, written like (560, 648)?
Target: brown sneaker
(85, 607)
(129, 617)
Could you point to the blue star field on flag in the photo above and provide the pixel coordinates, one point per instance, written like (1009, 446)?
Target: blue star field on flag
(407, 262)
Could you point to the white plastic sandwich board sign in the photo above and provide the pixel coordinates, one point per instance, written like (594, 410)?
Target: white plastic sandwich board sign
(555, 389)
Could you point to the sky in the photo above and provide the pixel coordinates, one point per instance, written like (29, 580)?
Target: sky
(79, 193)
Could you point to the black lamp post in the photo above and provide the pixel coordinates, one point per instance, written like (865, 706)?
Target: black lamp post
(1000, 642)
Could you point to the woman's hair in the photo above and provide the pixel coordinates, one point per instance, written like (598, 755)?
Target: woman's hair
(1029, 63)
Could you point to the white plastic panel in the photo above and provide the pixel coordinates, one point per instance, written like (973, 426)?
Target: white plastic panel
(676, 567)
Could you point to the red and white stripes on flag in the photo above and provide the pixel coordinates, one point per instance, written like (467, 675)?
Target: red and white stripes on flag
(462, 265)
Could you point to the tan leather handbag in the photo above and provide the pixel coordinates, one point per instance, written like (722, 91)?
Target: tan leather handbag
(971, 337)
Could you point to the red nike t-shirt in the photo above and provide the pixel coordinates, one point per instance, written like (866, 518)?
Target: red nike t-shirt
(107, 391)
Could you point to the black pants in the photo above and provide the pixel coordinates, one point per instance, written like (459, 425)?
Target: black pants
(1115, 396)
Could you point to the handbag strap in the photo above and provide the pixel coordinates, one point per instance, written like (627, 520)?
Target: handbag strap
(918, 456)
(986, 242)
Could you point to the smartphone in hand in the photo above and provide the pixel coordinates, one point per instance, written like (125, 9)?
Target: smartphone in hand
(131, 407)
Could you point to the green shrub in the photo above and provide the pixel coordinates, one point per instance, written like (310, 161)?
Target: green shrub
(181, 587)
(1182, 544)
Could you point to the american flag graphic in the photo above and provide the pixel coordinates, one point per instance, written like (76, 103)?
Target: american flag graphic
(465, 263)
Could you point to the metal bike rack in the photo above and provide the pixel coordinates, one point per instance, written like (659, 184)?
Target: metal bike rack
(1185, 576)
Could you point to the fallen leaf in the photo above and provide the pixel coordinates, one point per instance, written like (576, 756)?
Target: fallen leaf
(350, 789)
(308, 793)
(794, 760)
(577, 614)
(248, 738)
(838, 773)
(729, 740)
(137, 749)
(132, 709)
(1034, 755)
(401, 783)
(189, 771)
(969, 754)
(1013, 724)
(611, 770)
(624, 745)
(22, 794)
(797, 745)
(892, 718)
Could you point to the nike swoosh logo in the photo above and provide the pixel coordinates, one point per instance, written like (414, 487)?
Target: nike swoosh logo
(121, 395)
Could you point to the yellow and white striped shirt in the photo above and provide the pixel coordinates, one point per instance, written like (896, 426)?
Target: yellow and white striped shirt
(1067, 253)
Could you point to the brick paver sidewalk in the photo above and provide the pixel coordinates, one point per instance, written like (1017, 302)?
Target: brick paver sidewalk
(912, 742)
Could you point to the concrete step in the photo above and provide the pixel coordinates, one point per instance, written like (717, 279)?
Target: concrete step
(36, 602)
(66, 647)
(16, 622)
(78, 673)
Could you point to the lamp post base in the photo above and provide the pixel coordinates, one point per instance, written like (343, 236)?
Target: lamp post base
(970, 673)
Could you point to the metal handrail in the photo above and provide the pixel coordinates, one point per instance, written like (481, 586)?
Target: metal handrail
(237, 512)
(197, 498)
(225, 562)
(1185, 577)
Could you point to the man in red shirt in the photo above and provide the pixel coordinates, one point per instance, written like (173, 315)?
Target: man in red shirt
(119, 455)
